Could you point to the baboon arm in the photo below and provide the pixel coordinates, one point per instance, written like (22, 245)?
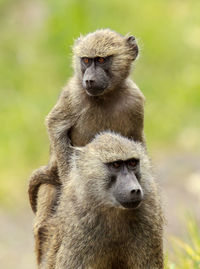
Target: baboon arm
(59, 121)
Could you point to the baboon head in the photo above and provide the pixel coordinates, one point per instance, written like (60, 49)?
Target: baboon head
(103, 59)
(112, 171)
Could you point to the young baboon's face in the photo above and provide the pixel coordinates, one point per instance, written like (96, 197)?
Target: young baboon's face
(96, 74)
(103, 60)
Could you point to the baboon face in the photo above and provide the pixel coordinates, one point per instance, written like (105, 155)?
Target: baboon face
(113, 171)
(96, 75)
(103, 60)
(124, 182)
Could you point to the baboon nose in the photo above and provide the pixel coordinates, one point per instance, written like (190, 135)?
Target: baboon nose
(136, 194)
(89, 83)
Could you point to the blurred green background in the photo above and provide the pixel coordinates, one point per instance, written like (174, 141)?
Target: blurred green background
(35, 63)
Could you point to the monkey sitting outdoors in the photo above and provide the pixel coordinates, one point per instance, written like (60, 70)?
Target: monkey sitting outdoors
(100, 96)
(109, 215)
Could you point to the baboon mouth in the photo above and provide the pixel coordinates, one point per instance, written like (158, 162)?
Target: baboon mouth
(95, 91)
(132, 205)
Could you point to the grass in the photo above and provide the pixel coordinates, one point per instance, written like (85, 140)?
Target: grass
(186, 254)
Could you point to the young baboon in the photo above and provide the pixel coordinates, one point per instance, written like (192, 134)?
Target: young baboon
(100, 96)
(109, 215)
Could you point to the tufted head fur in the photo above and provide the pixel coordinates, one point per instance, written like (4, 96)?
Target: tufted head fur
(90, 229)
(90, 170)
(104, 43)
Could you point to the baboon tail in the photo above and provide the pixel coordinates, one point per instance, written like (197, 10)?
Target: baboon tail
(43, 175)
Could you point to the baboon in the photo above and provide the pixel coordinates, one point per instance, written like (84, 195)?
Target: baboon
(109, 215)
(100, 96)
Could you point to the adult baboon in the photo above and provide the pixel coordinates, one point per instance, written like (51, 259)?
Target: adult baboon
(109, 215)
(100, 96)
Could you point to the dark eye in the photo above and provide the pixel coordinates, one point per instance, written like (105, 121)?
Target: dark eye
(101, 60)
(132, 163)
(116, 164)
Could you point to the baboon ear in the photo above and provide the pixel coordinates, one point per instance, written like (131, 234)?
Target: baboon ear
(133, 46)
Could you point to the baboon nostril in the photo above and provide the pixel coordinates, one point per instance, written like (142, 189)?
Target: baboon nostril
(89, 83)
(136, 192)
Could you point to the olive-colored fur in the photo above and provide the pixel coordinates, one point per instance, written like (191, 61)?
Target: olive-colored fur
(88, 229)
(80, 117)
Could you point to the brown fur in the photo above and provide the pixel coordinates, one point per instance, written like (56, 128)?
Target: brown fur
(88, 230)
(77, 117)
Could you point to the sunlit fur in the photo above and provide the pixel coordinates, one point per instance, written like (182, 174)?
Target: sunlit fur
(89, 230)
(122, 110)
(104, 43)
(77, 118)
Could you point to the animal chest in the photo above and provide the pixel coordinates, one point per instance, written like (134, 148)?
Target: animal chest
(93, 121)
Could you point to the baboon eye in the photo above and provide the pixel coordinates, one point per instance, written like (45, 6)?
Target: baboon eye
(86, 60)
(133, 163)
(116, 164)
(101, 60)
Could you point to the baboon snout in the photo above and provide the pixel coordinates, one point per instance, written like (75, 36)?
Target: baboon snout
(133, 199)
(95, 80)
(89, 83)
(92, 86)
(136, 194)
(129, 192)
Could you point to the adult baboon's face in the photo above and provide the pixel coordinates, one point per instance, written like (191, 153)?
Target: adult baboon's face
(111, 184)
(113, 171)
(124, 183)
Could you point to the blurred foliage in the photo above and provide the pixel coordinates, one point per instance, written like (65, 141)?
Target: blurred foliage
(35, 52)
(187, 255)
